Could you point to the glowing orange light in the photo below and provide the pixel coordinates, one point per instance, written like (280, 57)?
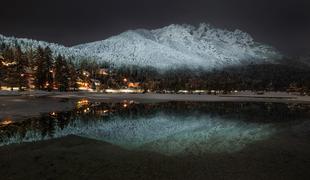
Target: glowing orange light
(82, 102)
(133, 85)
(6, 121)
(86, 110)
(8, 64)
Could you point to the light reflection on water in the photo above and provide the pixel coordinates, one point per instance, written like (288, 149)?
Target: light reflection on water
(175, 135)
(6, 121)
(168, 128)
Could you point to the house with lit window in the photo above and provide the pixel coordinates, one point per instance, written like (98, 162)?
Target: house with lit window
(133, 85)
(103, 71)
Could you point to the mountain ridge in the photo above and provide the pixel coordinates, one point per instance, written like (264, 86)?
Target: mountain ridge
(171, 46)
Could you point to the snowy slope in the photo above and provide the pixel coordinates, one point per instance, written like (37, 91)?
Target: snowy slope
(178, 45)
(28, 44)
(171, 46)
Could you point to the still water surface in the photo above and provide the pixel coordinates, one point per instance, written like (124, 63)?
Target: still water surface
(168, 127)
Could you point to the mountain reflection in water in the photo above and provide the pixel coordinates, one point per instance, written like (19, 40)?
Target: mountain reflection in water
(169, 128)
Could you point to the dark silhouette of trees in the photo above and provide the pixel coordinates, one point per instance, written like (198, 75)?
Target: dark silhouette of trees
(10, 76)
(21, 66)
(39, 67)
(43, 68)
(73, 75)
(62, 74)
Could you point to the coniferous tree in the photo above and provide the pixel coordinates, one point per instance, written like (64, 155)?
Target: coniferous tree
(73, 76)
(30, 55)
(21, 66)
(2, 47)
(61, 74)
(2, 69)
(40, 76)
(43, 68)
(10, 70)
(48, 69)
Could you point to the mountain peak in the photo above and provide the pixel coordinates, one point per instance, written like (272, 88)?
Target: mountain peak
(171, 46)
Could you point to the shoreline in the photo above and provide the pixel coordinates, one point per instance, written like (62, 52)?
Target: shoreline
(33, 104)
(272, 97)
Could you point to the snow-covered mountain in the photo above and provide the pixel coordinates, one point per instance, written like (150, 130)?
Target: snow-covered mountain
(28, 44)
(171, 46)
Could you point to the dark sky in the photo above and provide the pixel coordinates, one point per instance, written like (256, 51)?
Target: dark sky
(284, 24)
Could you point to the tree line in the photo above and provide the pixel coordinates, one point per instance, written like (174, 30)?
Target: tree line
(254, 77)
(17, 68)
(63, 73)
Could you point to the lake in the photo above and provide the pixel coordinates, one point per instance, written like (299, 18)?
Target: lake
(169, 128)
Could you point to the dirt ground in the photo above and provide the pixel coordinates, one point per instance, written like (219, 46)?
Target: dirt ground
(73, 157)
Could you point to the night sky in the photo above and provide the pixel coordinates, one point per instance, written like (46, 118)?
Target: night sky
(284, 24)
